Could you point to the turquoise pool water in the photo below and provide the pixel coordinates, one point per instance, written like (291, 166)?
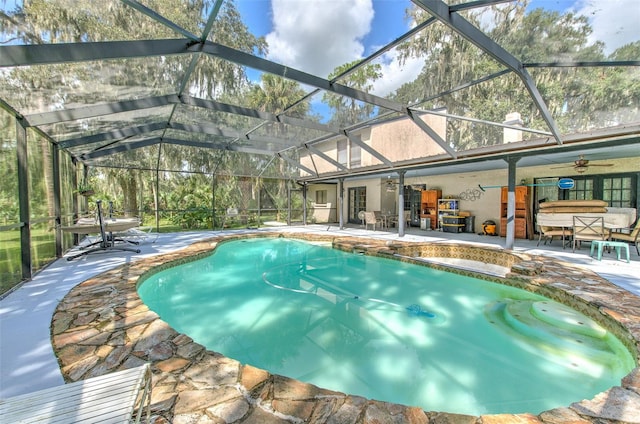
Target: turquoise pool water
(387, 330)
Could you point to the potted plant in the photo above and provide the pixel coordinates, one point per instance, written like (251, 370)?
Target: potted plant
(85, 189)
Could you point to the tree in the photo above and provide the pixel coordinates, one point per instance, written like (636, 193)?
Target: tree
(278, 95)
(575, 96)
(70, 85)
(346, 110)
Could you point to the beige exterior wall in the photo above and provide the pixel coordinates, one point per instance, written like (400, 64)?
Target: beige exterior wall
(330, 149)
(402, 140)
(397, 140)
(323, 212)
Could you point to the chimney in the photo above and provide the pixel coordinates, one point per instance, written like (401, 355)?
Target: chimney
(511, 135)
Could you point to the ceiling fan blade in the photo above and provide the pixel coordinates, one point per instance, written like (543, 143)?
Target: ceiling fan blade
(604, 164)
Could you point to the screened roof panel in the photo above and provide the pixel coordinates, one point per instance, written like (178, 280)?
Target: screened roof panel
(189, 159)
(193, 159)
(441, 61)
(88, 147)
(289, 135)
(214, 78)
(140, 158)
(334, 34)
(237, 163)
(553, 31)
(582, 99)
(509, 97)
(112, 126)
(41, 89)
(186, 135)
(240, 122)
(264, 76)
(190, 16)
(64, 21)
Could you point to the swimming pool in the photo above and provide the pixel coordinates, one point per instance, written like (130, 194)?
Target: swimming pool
(387, 330)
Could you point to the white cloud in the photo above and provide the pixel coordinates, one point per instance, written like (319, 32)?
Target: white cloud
(315, 36)
(395, 74)
(614, 22)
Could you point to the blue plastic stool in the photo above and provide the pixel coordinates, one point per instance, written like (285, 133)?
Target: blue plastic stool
(618, 245)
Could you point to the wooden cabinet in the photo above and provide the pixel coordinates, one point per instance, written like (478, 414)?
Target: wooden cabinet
(429, 206)
(523, 224)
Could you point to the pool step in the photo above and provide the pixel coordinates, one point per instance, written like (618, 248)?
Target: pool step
(553, 327)
(561, 316)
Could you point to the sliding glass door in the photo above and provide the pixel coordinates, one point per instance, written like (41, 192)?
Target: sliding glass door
(357, 203)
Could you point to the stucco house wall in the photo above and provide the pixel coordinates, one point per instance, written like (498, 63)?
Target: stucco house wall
(397, 140)
(323, 212)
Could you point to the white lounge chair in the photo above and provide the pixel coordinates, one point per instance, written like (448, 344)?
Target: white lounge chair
(109, 398)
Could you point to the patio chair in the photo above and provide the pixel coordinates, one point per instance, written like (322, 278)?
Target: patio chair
(588, 228)
(548, 233)
(632, 237)
(380, 219)
(137, 235)
(231, 214)
(370, 219)
(393, 220)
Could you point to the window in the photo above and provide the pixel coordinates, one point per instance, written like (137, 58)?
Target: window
(349, 153)
(356, 153)
(357, 202)
(342, 152)
(583, 190)
(546, 189)
(617, 191)
(321, 197)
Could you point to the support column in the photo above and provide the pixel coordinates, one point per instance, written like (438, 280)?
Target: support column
(341, 202)
(304, 203)
(213, 201)
(74, 199)
(511, 202)
(84, 208)
(289, 206)
(23, 199)
(55, 158)
(259, 187)
(156, 195)
(401, 220)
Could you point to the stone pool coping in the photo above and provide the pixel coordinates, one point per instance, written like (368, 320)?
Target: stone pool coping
(102, 326)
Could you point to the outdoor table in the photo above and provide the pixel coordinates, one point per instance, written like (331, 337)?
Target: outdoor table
(611, 220)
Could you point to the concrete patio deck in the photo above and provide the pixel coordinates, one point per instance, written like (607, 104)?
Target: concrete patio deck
(27, 360)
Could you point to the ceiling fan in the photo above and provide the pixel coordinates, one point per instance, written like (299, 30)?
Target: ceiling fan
(581, 165)
(390, 184)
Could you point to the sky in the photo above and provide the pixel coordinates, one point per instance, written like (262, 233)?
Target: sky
(317, 35)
